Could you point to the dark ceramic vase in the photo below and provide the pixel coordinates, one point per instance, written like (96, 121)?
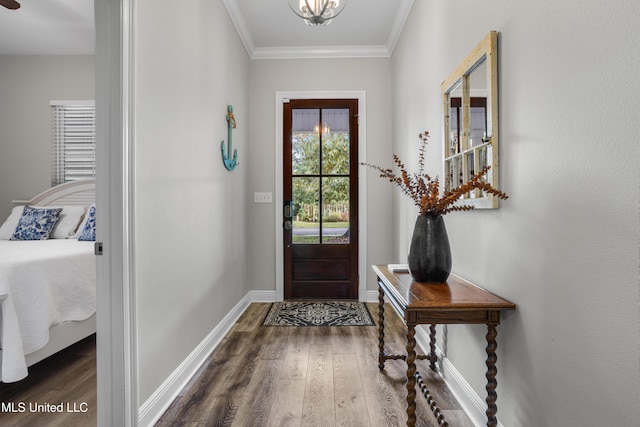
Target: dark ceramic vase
(429, 254)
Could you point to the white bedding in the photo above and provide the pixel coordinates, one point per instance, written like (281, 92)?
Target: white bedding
(44, 283)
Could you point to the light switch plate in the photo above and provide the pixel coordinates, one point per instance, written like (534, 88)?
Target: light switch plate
(262, 198)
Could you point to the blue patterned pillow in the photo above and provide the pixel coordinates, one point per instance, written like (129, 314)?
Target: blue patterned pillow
(36, 223)
(89, 230)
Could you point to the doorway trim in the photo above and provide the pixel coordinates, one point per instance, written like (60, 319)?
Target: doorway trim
(117, 384)
(360, 95)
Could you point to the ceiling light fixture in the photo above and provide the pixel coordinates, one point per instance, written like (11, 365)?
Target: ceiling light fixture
(10, 4)
(317, 12)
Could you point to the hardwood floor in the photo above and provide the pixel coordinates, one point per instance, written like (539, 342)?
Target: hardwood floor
(66, 380)
(259, 376)
(305, 376)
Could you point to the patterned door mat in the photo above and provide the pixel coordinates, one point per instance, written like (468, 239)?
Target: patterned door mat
(314, 313)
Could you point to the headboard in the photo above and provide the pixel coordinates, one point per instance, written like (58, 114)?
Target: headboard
(70, 193)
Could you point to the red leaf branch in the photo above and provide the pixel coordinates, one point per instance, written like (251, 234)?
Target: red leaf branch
(425, 191)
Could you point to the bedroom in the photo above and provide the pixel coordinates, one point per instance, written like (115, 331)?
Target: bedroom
(45, 69)
(558, 343)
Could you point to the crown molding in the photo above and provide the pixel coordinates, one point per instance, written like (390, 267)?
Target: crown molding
(241, 25)
(312, 52)
(398, 24)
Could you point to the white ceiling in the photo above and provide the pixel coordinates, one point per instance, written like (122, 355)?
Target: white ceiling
(48, 27)
(268, 29)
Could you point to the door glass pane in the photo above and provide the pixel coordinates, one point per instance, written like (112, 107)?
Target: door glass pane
(305, 142)
(335, 210)
(335, 141)
(306, 210)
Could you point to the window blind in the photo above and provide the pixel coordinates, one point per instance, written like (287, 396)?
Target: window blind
(73, 136)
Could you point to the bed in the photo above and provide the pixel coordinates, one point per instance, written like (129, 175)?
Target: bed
(48, 286)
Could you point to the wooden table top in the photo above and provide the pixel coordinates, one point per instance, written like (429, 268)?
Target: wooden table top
(455, 294)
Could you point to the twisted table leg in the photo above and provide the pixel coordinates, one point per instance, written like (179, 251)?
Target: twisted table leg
(381, 358)
(492, 409)
(432, 345)
(431, 401)
(411, 380)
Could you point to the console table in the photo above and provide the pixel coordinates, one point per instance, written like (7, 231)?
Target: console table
(455, 301)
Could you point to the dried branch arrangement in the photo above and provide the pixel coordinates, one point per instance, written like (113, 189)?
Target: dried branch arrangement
(425, 191)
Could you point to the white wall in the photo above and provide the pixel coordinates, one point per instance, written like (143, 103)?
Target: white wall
(27, 86)
(190, 212)
(564, 246)
(270, 76)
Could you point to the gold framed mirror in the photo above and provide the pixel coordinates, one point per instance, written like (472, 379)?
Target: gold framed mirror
(471, 137)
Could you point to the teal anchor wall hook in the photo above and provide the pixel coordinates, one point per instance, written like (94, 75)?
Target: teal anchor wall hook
(229, 163)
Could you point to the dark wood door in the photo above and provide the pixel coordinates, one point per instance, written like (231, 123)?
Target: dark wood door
(320, 214)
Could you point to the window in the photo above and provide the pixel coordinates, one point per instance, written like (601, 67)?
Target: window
(73, 139)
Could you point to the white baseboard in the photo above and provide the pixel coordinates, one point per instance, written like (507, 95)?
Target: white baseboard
(372, 296)
(262, 296)
(473, 405)
(157, 404)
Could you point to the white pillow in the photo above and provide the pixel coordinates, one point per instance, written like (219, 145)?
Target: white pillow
(65, 228)
(83, 223)
(10, 225)
(68, 222)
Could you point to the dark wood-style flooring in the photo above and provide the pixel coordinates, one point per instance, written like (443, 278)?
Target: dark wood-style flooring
(258, 376)
(67, 378)
(306, 376)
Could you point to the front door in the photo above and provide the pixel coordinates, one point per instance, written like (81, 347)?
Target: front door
(320, 188)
